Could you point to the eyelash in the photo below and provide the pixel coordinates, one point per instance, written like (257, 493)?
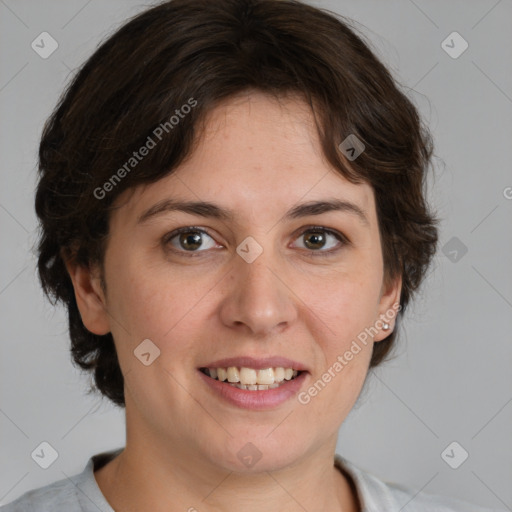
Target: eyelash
(312, 253)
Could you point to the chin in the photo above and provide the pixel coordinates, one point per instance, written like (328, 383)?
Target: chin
(241, 455)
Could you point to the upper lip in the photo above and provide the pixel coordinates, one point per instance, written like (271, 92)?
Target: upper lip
(257, 364)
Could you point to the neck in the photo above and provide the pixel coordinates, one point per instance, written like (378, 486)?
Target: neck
(158, 472)
(146, 478)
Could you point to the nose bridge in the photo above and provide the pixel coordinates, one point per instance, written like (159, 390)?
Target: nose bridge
(257, 297)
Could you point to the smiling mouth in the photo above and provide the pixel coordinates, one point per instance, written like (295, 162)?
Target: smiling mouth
(252, 379)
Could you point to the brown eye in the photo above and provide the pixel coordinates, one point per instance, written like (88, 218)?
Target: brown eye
(189, 240)
(315, 240)
(322, 241)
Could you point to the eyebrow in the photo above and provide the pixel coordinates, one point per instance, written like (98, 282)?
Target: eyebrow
(211, 210)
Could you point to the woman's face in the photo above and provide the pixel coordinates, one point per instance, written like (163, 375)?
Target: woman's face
(272, 281)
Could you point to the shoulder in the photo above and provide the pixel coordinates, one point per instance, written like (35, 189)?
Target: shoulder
(79, 493)
(417, 501)
(377, 495)
(56, 497)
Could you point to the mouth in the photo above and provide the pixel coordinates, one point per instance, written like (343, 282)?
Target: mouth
(254, 383)
(252, 379)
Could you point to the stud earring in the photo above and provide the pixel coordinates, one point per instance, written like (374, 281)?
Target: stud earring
(385, 326)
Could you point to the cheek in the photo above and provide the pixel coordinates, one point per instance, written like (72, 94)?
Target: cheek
(345, 305)
(154, 304)
(343, 311)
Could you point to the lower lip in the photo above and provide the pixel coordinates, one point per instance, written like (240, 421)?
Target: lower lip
(259, 399)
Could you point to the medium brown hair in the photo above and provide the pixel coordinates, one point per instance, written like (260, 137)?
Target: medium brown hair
(210, 51)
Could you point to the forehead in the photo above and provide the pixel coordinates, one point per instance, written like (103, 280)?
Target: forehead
(257, 155)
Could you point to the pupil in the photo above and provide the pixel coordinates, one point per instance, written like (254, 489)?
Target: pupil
(190, 242)
(318, 238)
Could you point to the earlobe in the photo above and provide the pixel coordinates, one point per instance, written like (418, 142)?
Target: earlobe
(89, 297)
(389, 307)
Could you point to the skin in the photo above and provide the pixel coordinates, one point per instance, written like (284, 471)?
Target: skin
(258, 157)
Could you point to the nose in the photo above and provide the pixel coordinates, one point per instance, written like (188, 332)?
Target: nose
(258, 299)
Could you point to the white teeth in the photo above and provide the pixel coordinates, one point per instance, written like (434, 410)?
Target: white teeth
(254, 387)
(233, 375)
(266, 376)
(278, 374)
(250, 378)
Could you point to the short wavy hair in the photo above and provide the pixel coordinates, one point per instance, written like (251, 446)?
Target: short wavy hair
(211, 51)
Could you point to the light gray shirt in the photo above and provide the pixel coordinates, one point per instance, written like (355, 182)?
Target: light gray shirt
(82, 494)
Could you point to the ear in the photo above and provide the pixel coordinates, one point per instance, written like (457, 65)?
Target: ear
(89, 296)
(389, 305)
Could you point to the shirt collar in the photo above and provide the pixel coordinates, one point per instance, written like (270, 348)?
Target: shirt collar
(374, 495)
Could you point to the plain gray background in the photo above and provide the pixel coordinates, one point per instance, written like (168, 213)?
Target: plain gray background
(452, 380)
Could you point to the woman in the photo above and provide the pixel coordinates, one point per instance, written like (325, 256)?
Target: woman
(232, 209)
